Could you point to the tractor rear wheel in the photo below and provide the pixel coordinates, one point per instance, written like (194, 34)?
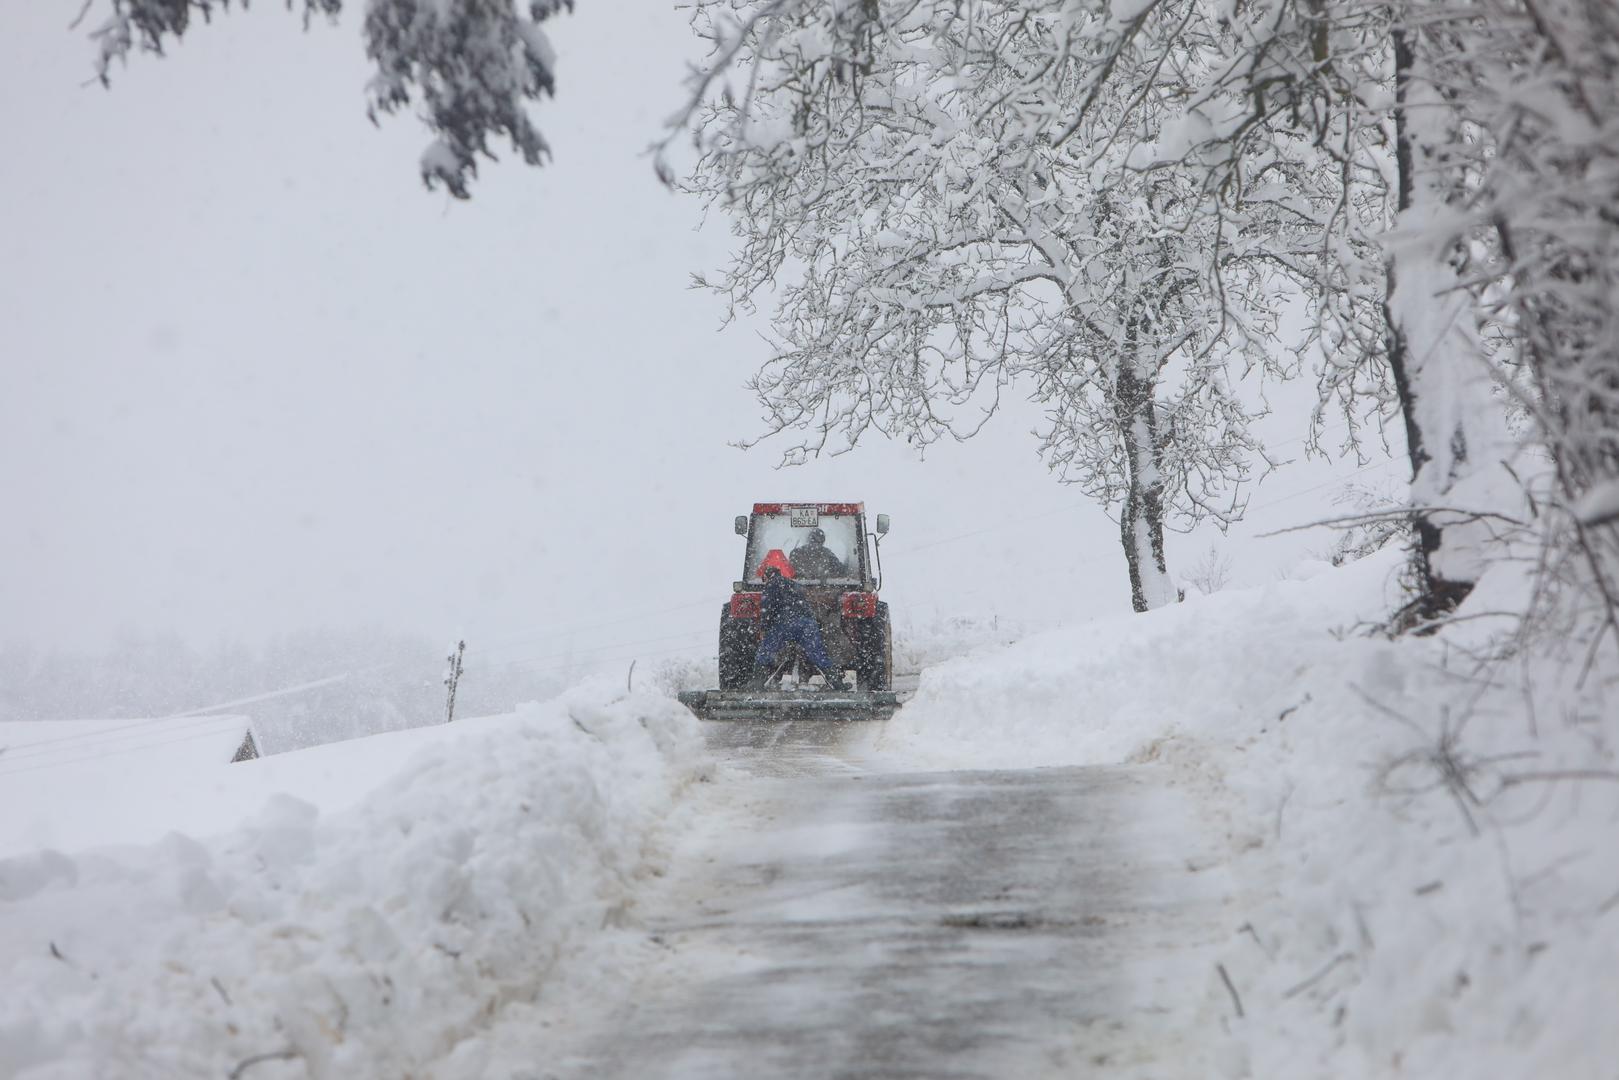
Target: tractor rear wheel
(874, 652)
(737, 648)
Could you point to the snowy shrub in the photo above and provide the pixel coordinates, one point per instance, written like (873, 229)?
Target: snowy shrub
(672, 675)
(1375, 518)
(1211, 573)
(920, 643)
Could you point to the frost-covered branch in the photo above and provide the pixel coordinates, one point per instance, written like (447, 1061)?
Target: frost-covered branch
(473, 67)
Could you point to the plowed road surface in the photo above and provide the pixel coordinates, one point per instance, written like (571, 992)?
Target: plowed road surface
(829, 917)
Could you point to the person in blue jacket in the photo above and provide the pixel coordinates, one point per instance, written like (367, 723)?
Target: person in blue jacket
(788, 620)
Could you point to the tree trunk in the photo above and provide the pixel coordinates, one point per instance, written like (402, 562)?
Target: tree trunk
(1444, 389)
(1141, 519)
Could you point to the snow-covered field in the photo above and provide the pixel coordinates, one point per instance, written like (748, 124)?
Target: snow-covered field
(70, 784)
(384, 899)
(1420, 888)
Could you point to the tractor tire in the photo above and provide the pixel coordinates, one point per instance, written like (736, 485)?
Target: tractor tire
(874, 652)
(738, 645)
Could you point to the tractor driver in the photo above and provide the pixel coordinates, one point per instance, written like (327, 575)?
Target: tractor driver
(812, 559)
(788, 620)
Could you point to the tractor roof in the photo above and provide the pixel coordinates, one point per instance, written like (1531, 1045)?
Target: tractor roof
(823, 507)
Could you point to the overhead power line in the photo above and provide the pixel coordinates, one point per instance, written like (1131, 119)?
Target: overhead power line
(1012, 523)
(82, 758)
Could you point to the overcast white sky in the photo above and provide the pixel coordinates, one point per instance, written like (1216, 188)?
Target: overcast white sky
(256, 379)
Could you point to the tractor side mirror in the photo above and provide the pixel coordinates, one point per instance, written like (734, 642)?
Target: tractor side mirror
(742, 524)
(882, 524)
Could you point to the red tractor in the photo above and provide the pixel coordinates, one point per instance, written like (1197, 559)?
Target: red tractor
(837, 562)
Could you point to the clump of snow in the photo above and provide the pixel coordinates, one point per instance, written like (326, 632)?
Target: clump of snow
(1598, 505)
(1424, 838)
(363, 942)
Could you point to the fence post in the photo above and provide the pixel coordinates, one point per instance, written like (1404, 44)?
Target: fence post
(452, 678)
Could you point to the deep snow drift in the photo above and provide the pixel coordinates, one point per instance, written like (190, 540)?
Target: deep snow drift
(362, 942)
(1424, 890)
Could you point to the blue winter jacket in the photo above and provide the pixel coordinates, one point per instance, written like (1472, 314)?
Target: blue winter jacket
(784, 599)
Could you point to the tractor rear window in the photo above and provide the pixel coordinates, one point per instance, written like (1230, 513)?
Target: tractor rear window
(836, 559)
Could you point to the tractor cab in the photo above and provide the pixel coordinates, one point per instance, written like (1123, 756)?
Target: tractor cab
(825, 543)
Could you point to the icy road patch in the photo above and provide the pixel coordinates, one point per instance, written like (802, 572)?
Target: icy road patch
(824, 918)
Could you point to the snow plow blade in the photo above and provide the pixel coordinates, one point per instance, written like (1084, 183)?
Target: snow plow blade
(791, 704)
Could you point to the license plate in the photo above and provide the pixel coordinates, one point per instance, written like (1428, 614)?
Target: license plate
(805, 517)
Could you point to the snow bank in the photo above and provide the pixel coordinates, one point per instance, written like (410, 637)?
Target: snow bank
(1096, 693)
(365, 942)
(69, 785)
(1422, 890)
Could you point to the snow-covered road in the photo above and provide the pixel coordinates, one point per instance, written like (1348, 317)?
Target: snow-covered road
(826, 916)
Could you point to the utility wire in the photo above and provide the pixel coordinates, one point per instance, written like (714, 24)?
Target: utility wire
(601, 660)
(97, 738)
(1252, 509)
(585, 652)
(158, 721)
(1317, 487)
(560, 631)
(162, 726)
(121, 752)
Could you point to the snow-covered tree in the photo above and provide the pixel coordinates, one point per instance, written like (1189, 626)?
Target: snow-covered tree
(1498, 147)
(1352, 147)
(1529, 173)
(962, 199)
(473, 65)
